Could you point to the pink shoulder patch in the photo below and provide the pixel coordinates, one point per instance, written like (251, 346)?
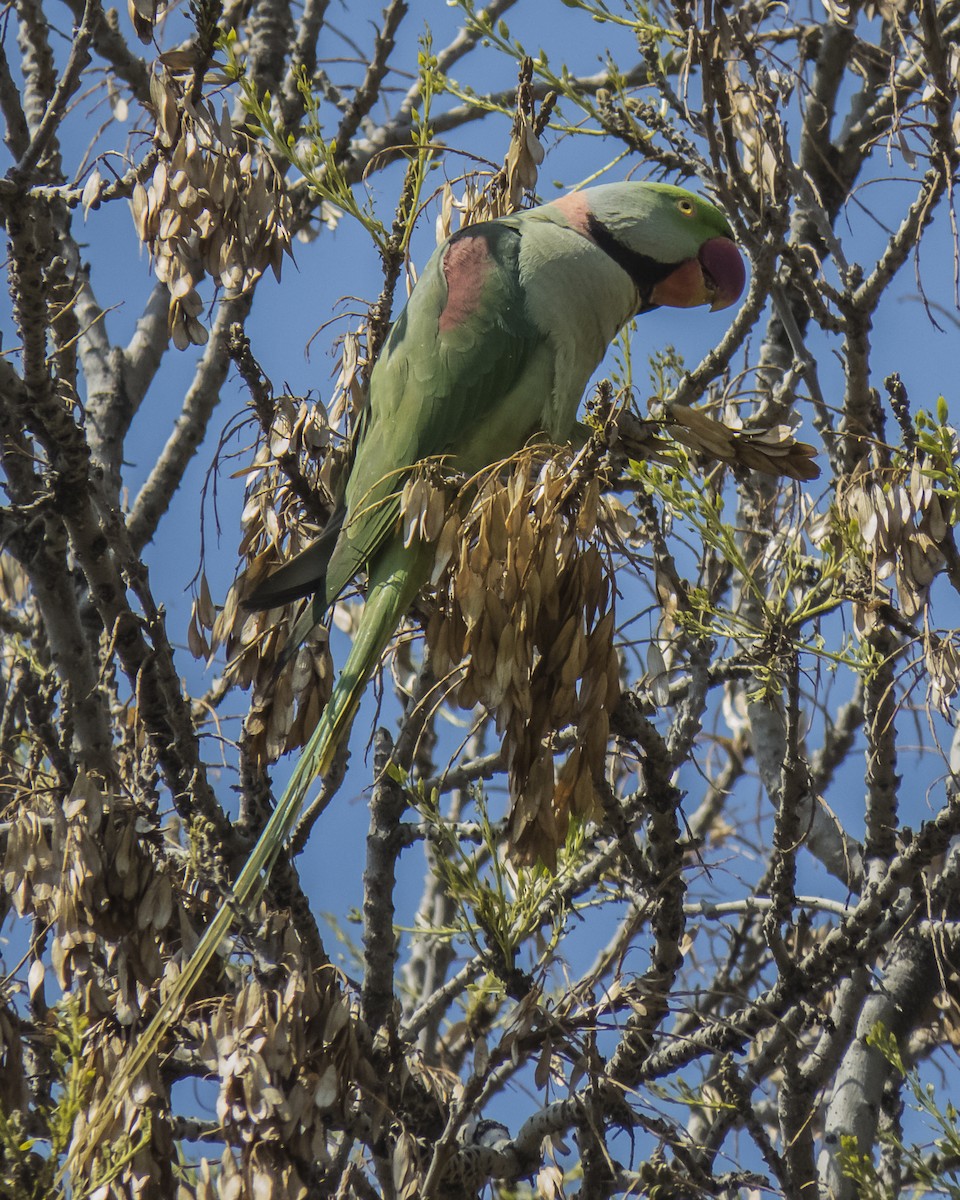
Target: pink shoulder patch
(466, 266)
(575, 208)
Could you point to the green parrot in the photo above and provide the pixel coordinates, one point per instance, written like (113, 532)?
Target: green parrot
(497, 342)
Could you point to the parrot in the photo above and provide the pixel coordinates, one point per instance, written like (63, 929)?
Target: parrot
(496, 344)
(501, 333)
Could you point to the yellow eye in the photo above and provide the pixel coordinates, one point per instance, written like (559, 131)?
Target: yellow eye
(686, 207)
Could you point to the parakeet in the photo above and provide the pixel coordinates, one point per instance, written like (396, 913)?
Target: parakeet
(497, 342)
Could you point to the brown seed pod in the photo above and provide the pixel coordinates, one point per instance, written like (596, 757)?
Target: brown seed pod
(207, 208)
(524, 614)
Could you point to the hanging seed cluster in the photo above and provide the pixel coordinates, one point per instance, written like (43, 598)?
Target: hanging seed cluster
(902, 522)
(212, 207)
(773, 451)
(289, 1067)
(288, 1062)
(84, 870)
(299, 447)
(291, 483)
(473, 205)
(752, 109)
(504, 192)
(286, 1056)
(140, 1138)
(263, 1174)
(55, 869)
(525, 616)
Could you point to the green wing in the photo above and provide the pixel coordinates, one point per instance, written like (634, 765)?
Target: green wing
(464, 375)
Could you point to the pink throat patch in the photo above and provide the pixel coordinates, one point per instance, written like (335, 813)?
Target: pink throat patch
(466, 266)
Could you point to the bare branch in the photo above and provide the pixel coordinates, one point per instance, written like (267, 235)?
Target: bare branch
(198, 405)
(65, 90)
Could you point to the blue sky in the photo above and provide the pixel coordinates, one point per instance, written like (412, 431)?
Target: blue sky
(338, 263)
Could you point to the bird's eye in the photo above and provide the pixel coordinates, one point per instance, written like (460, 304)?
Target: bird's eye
(686, 207)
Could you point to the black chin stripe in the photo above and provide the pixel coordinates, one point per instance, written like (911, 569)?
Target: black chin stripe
(645, 272)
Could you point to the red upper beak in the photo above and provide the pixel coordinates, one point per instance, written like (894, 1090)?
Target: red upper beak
(715, 277)
(723, 271)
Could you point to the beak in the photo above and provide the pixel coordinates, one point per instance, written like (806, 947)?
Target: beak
(715, 277)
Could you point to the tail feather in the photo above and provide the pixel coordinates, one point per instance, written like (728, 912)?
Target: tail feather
(303, 575)
(393, 585)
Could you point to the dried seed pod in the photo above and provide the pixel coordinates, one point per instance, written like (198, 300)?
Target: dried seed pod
(205, 207)
(524, 614)
(901, 522)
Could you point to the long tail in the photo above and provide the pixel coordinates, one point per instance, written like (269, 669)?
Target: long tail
(394, 583)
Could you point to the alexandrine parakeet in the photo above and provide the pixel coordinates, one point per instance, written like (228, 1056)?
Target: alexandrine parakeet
(497, 342)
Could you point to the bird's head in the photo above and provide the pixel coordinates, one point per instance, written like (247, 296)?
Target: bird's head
(677, 247)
